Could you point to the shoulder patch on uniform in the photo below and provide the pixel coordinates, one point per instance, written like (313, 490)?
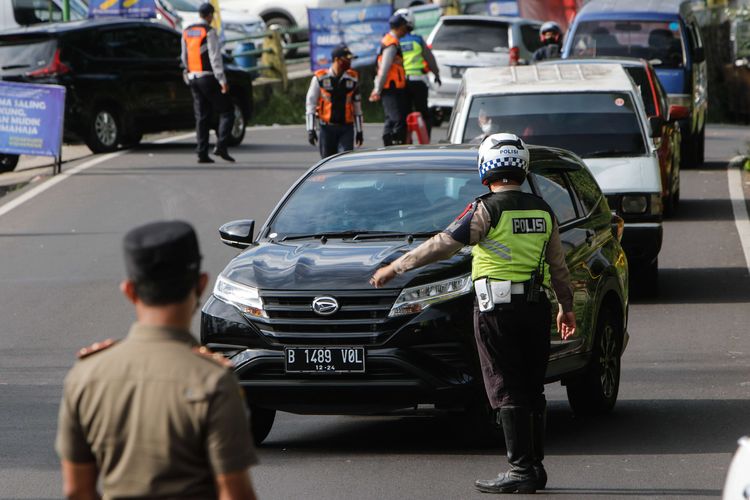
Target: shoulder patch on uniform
(207, 353)
(95, 347)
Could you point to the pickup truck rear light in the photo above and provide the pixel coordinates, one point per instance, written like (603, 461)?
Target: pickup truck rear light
(55, 67)
(515, 56)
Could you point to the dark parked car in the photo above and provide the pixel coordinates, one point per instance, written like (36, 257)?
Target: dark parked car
(306, 332)
(123, 78)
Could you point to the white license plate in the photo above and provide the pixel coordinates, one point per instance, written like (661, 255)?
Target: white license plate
(324, 359)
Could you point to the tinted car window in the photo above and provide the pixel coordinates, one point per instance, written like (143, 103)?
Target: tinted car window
(587, 188)
(162, 44)
(602, 124)
(19, 56)
(552, 188)
(530, 36)
(658, 42)
(639, 76)
(123, 44)
(385, 200)
(477, 36)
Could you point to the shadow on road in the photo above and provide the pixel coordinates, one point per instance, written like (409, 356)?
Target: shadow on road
(707, 285)
(704, 210)
(630, 492)
(636, 427)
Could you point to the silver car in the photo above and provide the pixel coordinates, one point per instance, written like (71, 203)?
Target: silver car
(460, 42)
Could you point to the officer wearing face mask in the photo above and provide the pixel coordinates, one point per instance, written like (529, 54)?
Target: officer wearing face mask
(334, 99)
(485, 125)
(550, 35)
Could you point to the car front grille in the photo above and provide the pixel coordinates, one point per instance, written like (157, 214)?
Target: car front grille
(362, 317)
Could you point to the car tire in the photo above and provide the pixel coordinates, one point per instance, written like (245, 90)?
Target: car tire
(105, 130)
(437, 115)
(595, 391)
(132, 139)
(8, 162)
(700, 148)
(237, 134)
(261, 422)
(482, 419)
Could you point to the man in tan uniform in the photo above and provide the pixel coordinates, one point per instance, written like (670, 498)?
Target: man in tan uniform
(155, 415)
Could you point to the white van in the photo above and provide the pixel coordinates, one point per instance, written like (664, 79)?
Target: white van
(594, 110)
(17, 13)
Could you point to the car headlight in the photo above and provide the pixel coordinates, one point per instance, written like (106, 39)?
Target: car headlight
(418, 298)
(243, 297)
(641, 204)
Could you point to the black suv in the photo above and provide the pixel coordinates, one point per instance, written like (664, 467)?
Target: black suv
(123, 78)
(306, 332)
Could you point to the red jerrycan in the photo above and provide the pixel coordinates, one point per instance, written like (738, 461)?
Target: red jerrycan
(415, 125)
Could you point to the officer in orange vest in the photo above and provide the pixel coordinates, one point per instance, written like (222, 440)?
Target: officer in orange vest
(201, 57)
(390, 82)
(334, 98)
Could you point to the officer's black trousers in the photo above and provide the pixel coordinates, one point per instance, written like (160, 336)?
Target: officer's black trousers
(394, 130)
(513, 346)
(335, 139)
(416, 92)
(207, 97)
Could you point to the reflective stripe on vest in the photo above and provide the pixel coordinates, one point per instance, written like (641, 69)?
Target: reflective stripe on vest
(512, 249)
(396, 77)
(412, 49)
(334, 94)
(196, 44)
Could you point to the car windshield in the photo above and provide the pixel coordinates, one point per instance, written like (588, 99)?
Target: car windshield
(658, 42)
(21, 55)
(186, 5)
(589, 124)
(28, 12)
(477, 36)
(388, 201)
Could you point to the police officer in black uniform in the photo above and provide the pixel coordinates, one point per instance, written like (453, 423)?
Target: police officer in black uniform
(516, 253)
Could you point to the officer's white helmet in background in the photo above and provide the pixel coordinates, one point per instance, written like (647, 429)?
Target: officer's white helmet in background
(502, 156)
(408, 15)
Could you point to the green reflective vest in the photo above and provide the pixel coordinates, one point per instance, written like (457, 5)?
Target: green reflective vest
(521, 226)
(412, 48)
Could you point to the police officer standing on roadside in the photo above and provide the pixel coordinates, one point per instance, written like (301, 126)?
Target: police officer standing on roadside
(390, 82)
(201, 57)
(418, 62)
(550, 35)
(516, 240)
(155, 415)
(334, 97)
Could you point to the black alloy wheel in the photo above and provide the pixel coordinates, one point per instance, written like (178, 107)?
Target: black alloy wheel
(595, 391)
(105, 130)
(8, 162)
(261, 421)
(237, 133)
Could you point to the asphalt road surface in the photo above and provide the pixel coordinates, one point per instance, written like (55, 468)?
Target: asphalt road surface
(684, 397)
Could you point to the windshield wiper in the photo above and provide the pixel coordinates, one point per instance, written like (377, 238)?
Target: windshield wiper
(412, 235)
(611, 152)
(327, 235)
(15, 66)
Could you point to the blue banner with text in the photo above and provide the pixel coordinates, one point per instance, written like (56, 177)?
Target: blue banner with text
(361, 28)
(31, 119)
(122, 8)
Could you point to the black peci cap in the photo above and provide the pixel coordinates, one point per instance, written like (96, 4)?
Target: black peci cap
(342, 51)
(161, 251)
(205, 9)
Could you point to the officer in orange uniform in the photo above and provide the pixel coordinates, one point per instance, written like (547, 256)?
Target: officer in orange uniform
(201, 57)
(334, 98)
(390, 82)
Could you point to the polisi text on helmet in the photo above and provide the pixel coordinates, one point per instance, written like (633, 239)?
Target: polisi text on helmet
(509, 151)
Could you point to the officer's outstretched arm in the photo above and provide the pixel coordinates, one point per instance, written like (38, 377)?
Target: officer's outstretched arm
(235, 486)
(79, 480)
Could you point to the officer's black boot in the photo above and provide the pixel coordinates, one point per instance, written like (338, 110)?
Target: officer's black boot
(387, 140)
(520, 478)
(538, 421)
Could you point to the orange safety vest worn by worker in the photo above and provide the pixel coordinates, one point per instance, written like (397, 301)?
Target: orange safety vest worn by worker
(336, 101)
(196, 42)
(396, 78)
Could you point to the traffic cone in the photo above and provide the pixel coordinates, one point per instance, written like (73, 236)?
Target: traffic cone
(415, 125)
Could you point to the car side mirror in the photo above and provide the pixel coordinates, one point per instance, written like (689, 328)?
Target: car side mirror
(677, 112)
(699, 54)
(238, 233)
(656, 124)
(618, 225)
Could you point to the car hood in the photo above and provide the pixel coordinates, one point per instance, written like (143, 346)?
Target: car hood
(638, 174)
(334, 265)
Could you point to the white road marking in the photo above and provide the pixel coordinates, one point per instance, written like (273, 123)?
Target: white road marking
(741, 220)
(33, 193)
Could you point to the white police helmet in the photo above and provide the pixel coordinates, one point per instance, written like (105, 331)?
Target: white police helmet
(407, 15)
(502, 156)
(550, 26)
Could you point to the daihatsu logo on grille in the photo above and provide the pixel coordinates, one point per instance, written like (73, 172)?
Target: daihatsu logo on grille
(325, 306)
